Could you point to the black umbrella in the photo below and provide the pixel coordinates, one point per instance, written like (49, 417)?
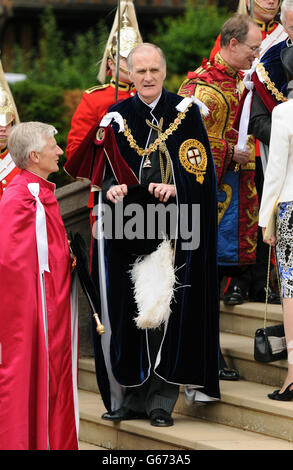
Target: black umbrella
(78, 248)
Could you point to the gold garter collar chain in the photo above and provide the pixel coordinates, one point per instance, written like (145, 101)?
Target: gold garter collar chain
(269, 84)
(162, 138)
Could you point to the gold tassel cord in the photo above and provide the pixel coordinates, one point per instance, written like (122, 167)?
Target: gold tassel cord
(166, 173)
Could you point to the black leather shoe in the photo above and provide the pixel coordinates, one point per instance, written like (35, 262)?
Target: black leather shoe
(234, 296)
(260, 296)
(159, 417)
(228, 374)
(287, 395)
(122, 414)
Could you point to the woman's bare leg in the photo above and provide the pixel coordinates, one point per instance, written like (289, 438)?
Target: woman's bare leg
(288, 327)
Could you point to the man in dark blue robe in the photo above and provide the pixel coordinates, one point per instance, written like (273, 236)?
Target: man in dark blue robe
(156, 151)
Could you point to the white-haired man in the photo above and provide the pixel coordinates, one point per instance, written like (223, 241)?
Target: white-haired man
(156, 147)
(38, 324)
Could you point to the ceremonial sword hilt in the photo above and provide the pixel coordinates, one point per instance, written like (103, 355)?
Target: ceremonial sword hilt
(100, 328)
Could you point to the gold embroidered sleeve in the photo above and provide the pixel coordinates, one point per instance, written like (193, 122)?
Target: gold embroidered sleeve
(251, 164)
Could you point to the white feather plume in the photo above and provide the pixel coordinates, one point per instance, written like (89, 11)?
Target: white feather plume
(153, 277)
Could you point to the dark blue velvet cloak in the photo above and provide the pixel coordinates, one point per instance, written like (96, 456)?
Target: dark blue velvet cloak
(189, 351)
(273, 65)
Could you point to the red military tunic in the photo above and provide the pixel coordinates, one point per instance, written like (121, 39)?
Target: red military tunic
(7, 169)
(94, 104)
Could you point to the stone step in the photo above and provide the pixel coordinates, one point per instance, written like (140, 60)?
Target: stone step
(86, 375)
(239, 354)
(245, 319)
(245, 405)
(87, 446)
(187, 433)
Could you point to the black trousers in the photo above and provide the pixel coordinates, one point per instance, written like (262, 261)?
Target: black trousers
(154, 392)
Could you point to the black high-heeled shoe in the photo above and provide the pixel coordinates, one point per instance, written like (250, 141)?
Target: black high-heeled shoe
(287, 395)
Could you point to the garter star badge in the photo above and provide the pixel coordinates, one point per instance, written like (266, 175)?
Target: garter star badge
(193, 157)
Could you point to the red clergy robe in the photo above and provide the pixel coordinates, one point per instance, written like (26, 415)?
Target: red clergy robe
(38, 367)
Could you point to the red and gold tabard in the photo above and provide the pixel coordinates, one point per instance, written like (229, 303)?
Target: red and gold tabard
(266, 30)
(8, 170)
(219, 87)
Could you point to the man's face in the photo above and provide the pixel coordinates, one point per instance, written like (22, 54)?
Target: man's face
(289, 24)
(4, 133)
(248, 50)
(270, 7)
(123, 73)
(148, 73)
(48, 159)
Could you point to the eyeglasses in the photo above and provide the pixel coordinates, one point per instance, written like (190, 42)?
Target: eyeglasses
(255, 50)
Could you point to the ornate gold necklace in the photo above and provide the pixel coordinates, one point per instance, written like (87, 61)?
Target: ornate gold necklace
(269, 84)
(162, 138)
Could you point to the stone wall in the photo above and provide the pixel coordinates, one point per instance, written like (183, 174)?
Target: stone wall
(73, 200)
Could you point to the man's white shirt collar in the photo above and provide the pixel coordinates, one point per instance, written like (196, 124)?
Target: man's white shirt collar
(153, 104)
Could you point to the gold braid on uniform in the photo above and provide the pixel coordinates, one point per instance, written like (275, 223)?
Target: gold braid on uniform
(265, 26)
(3, 150)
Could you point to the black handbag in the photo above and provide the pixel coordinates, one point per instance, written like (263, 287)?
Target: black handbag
(269, 341)
(270, 344)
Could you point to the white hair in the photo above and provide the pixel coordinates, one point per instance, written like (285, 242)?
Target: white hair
(28, 136)
(287, 5)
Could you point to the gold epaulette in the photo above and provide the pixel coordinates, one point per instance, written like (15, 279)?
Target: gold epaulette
(3, 150)
(96, 88)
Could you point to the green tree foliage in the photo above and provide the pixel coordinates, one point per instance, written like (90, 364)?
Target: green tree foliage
(187, 39)
(53, 67)
(41, 102)
(71, 64)
(57, 65)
